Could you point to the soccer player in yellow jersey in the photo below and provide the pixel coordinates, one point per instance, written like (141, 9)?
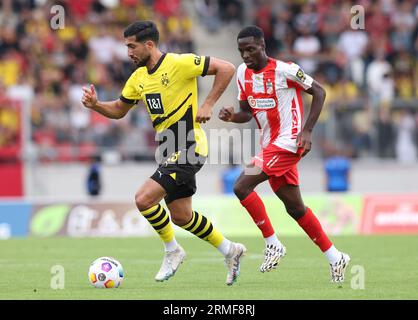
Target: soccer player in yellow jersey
(166, 84)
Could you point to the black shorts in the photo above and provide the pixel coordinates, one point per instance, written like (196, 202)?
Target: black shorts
(178, 179)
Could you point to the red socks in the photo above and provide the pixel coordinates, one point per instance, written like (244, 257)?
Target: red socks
(309, 222)
(313, 229)
(257, 211)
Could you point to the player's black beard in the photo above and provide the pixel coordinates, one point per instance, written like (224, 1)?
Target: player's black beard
(142, 63)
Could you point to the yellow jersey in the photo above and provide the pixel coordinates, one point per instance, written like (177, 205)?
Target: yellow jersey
(169, 91)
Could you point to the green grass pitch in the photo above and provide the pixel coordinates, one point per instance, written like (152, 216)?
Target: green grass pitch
(390, 265)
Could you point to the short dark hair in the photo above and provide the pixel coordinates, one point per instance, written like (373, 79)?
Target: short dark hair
(142, 30)
(251, 31)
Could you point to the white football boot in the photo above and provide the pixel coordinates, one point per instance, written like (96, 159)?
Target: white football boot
(338, 269)
(233, 261)
(272, 257)
(171, 262)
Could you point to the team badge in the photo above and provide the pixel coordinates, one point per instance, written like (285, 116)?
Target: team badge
(301, 75)
(164, 80)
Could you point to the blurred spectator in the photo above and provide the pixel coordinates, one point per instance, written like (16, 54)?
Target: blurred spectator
(337, 169)
(306, 47)
(405, 147)
(404, 22)
(282, 30)
(231, 11)
(94, 180)
(329, 24)
(166, 8)
(385, 134)
(208, 11)
(229, 176)
(353, 43)
(307, 19)
(378, 21)
(379, 82)
(264, 19)
(10, 122)
(361, 136)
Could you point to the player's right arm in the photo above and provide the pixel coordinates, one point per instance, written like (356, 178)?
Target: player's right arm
(116, 109)
(227, 114)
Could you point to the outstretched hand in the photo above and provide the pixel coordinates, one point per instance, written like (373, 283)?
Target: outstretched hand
(89, 98)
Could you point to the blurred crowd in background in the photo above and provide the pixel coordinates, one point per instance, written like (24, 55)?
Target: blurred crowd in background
(371, 74)
(49, 67)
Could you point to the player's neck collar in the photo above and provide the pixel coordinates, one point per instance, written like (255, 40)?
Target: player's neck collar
(157, 64)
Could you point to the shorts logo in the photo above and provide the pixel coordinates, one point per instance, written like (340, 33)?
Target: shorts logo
(272, 161)
(197, 60)
(301, 75)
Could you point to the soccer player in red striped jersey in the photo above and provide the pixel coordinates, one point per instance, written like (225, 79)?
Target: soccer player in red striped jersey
(270, 92)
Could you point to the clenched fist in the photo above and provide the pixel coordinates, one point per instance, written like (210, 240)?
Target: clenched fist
(226, 114)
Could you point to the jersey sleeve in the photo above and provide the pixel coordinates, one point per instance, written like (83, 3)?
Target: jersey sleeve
(295, 76)
(131, 91)
(192, 66)
(240, 84)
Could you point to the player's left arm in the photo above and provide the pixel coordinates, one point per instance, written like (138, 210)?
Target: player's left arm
(223, 72)
(304, 139)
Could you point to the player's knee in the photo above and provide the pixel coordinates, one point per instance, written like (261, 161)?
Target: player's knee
(180, 219)
(241, 190)
(296, 211)
(143, 201)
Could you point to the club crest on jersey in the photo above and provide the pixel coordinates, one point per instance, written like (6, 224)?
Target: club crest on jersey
(261, 103)
(301, 75)
(164, 80)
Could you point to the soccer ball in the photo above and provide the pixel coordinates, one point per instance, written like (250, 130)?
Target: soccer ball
(106, 272)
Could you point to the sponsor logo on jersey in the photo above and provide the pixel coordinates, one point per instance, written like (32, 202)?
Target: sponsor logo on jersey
(197, 60)
(295, 121)
(262, 103)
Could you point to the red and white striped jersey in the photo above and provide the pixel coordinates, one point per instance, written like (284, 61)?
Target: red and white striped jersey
(274, 94)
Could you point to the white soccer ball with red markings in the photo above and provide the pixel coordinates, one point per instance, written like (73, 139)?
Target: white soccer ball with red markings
(106, 272)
